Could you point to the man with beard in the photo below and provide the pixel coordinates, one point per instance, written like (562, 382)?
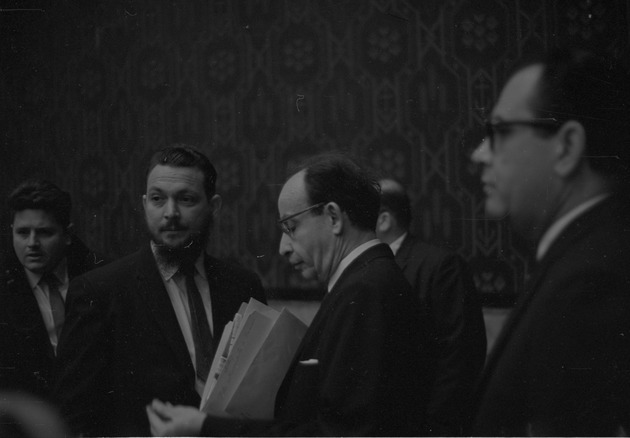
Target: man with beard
(144, 326)
(363, 367)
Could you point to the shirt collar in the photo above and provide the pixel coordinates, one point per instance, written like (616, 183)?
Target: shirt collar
(60, 271)
(168, 271)
(349, 259)
(558, 226)
(395, 245)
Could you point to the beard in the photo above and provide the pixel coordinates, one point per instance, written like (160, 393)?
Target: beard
(185, 252)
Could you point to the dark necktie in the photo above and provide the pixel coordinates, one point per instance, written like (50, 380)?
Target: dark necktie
(56, 301)
(202, 336)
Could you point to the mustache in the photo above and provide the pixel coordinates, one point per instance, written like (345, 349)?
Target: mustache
(173, 225)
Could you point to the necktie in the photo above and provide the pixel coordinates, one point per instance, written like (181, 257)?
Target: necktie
(202, 336)
(56, 301)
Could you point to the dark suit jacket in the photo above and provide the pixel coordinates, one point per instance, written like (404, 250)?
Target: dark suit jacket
(368, 371)
(122, 345)
(26, 354)
(561, 365)
(455, 322)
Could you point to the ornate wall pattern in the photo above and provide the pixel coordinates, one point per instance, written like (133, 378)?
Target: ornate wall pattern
(91, 89)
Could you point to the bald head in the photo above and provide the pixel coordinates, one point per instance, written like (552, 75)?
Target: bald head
(390, 186)
(395, 216)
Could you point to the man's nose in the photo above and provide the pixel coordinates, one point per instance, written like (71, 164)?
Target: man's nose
(482, 153)
(285, 245)
(32, 240)
(171, 209)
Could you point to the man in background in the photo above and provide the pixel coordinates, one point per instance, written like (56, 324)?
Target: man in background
(46, 256)
(555, 162)
(447, 291)
(145, 326)
(362, 368)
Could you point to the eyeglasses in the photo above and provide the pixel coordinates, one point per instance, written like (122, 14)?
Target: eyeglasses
(549, 124)
(286, 228)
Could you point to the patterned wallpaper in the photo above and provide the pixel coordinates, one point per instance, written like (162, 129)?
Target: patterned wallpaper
(90, 89)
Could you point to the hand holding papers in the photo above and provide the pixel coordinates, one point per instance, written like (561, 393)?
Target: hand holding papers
(253, 356)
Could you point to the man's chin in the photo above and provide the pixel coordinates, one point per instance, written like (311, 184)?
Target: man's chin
(495, 209)
(36, 268)
(177, 248)
(173, 244)
(309, 273)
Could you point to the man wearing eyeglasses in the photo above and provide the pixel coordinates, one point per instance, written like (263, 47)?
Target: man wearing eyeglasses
(362, 368)
(555, 162)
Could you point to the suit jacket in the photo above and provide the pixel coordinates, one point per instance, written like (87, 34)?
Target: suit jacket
(362, 367)
(26, 355)
(456, 327)
(122, 345)
(561, 365)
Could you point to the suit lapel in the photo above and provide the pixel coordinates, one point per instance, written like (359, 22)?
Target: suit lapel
(376, 251)
(24, 312)
(559, 247)
(223, 301)
(154, 295)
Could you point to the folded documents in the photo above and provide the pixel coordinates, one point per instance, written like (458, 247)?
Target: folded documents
(253, 356)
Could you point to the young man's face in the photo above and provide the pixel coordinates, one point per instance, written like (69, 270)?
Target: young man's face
(39, 241)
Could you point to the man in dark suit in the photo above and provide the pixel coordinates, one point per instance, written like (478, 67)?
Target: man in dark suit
(362, 367)
(555, 160)
(144, 326)
(46, 256)
(455, 321)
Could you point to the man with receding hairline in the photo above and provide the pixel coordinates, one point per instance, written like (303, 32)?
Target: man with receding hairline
(362, 368)
(555, 162)
(443, 282)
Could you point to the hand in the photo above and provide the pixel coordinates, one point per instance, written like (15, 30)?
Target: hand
(168, 420)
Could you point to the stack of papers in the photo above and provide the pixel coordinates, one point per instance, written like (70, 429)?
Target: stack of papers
(253, 356)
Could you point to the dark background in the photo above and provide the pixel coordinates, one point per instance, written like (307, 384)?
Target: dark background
(89, 89)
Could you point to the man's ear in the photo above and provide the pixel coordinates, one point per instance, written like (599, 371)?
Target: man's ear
(144, 202)
(383, 222)
(336, 217)
(570, 148)
(215, 205)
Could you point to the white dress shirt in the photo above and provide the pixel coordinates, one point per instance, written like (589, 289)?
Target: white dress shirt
(396, 244)
(349, 259)
(42, 295)
(175, 284)
(558, 226)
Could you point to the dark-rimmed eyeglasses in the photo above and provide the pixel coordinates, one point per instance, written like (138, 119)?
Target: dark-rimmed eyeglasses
(286, 228)
(492, 128)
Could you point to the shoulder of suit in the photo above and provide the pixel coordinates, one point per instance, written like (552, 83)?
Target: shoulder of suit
(118, 267)
(11, 275)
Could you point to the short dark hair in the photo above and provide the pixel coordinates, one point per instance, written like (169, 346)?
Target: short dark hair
(334, 177)
(41, 195)
(395, 200)
(593, 90)
(183, 155)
